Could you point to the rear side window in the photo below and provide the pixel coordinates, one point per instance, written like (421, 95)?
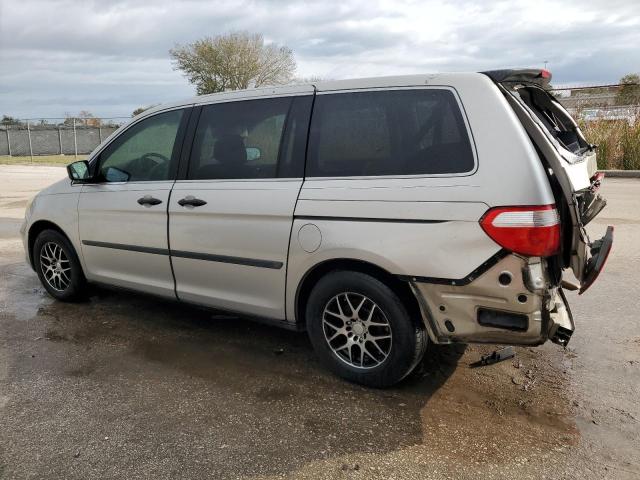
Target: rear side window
(239, 140)
(397, 132)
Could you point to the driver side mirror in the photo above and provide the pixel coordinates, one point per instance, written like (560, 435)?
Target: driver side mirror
(79, 172)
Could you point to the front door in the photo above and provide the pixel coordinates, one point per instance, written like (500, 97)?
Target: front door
(230, 218)
(123, 216)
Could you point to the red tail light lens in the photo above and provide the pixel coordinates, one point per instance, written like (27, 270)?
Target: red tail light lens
(533, 231)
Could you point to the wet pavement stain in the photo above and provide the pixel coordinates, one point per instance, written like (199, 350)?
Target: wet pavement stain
(170, 368)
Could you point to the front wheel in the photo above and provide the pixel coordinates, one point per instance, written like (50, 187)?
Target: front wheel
(362, 331)
(58, 266)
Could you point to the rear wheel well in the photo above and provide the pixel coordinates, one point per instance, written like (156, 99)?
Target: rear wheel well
(399, 287)
(35, 230)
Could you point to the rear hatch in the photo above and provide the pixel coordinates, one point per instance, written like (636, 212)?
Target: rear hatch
(571, 165)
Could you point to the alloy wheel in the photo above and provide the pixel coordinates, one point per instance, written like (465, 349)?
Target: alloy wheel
(55, 266)
(357, 330)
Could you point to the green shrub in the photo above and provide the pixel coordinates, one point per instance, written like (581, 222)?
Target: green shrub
(618, 142)
(631, 147)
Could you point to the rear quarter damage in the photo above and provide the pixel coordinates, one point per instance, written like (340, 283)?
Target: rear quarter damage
(448, 261)
(513, 300)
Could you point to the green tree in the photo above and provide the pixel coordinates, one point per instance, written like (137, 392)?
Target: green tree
(7, 120)
(232, 62)
(629, 91)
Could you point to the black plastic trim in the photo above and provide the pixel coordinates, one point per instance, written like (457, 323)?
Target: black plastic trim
(252, 262)
(296, 138)
(600, 250)
(513, 321)
(187, 143)
(518, 75)
(493, 260)
(130, 248)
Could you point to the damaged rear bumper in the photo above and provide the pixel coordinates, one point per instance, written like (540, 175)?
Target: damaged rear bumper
(560, 325)
(512, 302)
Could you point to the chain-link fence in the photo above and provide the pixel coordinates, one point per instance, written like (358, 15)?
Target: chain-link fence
(50, 136)
(628, 113)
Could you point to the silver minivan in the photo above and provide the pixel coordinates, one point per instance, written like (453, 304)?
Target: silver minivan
(379, 214)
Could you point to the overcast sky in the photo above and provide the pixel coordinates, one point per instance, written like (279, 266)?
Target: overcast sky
(111, 56)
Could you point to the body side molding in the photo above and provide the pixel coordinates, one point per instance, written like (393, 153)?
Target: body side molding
(251, 262)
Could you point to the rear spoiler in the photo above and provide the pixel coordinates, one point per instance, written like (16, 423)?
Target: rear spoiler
(536, 76)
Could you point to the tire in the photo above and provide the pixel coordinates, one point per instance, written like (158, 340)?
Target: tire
(58, 267)
(342, 292)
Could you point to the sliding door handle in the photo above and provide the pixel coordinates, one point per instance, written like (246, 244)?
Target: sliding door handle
(149, 200)
(191, 201)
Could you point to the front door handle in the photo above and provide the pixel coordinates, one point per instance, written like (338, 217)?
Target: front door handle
(191, 201)
(149, 200)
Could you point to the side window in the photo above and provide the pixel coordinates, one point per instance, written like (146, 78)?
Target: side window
(239, 140)
(396, 132)
(145, 152)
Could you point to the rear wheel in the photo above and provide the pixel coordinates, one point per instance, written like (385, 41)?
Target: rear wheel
(58, 266)
(362, 331)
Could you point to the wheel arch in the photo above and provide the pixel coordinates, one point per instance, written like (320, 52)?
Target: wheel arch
(38, 227)
(315, 273)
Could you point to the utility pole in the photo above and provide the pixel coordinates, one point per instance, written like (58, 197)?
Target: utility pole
(30, 146)
(75, 140)
(8, 141)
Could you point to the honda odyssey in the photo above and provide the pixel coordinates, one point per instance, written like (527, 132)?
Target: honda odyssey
(379, 215)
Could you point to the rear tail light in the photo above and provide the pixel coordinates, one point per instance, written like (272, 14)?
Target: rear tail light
(533, 231)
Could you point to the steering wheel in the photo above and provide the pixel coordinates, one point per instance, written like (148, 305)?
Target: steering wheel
(150, 165)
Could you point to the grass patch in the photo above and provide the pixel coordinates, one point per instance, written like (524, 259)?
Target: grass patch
(59, 160)
(618, 143)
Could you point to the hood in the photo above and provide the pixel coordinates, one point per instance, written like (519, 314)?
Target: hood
(61, 186)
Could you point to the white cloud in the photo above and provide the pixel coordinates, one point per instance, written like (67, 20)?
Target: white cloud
(110, 57)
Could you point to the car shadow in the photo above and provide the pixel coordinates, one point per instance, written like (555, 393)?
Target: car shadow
(258, 391)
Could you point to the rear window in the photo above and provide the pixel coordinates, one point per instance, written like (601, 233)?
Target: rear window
(398, 132)
(555, 118)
